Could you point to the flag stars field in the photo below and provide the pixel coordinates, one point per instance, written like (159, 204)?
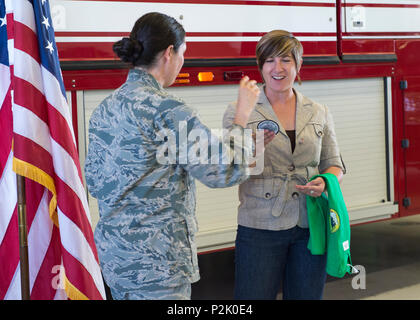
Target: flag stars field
(45, 22)
(50, 46)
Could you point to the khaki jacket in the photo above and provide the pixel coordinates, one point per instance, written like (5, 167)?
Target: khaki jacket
(270, 200)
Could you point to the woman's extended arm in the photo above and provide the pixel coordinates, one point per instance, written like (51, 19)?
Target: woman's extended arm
(338, 172)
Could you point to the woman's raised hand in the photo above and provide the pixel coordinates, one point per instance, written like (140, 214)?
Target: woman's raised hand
(247, 98)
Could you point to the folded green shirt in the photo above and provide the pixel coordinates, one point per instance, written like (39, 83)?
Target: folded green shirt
(329, 227)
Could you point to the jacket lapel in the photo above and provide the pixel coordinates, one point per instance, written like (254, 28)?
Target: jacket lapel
(303, 112)
(264, 107)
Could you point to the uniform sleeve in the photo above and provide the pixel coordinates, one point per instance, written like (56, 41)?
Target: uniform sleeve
(100, 179)
(229, 116)
(330, 152)
(206, 154)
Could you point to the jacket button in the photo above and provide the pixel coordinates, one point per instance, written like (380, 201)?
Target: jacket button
(268, 195)
(291, 167)
(295, 195)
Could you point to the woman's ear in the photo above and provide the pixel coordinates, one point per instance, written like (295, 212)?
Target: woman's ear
(298, 70)
(299, 65)
(167, 54)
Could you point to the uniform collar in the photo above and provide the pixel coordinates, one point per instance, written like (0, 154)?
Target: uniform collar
(142, 76)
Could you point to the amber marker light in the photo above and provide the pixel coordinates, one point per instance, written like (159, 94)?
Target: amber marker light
(182, 78)
(205, 76)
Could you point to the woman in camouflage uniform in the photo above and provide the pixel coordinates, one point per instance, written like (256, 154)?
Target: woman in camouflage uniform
(145, 234)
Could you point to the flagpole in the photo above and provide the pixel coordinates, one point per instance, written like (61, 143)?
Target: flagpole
(23, 239)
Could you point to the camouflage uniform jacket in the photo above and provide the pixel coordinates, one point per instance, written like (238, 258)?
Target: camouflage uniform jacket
(145, 234)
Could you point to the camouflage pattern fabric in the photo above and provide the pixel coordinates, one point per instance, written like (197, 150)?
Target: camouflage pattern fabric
(145, 234)
(156, 292)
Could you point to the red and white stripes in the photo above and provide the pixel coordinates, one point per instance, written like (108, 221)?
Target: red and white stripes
(63, 260)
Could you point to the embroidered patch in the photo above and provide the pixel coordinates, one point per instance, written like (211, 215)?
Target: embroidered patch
(334, 221)
(269, 125)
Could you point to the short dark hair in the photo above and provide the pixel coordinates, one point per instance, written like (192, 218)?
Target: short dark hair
(151, 34)
(278, 43)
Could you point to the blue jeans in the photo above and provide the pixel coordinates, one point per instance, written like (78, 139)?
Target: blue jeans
(264, 259)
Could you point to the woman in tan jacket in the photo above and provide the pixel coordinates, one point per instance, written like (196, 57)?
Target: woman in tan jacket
(272, 237)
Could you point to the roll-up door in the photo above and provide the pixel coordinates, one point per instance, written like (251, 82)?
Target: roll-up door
(360, 115)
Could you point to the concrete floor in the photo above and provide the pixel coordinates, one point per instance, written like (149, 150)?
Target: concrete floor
(389, 252)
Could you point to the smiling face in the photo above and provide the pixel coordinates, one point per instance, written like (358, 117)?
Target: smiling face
(279, 57)
(279, 73)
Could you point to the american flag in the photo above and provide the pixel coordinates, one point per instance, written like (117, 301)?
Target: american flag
(37, 142)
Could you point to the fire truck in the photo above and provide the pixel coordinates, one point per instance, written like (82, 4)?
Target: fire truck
(361, 58)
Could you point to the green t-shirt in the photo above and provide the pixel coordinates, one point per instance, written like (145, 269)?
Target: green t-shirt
(329, 227)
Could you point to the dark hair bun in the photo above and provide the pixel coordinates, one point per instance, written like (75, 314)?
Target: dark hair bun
(151, 34)
(128, 49)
